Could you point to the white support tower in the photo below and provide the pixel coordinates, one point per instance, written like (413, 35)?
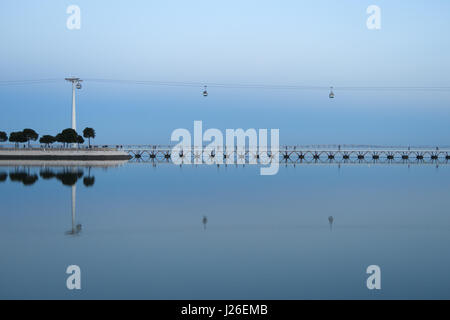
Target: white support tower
(76, 84)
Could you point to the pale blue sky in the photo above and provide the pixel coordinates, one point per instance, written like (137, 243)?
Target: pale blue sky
(289, 42)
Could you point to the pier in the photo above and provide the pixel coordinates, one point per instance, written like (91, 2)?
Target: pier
(58, 154)
(307, 154)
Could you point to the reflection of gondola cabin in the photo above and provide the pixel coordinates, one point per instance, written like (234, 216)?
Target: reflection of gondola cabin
(331, 95)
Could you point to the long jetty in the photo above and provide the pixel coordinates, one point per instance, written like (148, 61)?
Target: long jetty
(296, 154)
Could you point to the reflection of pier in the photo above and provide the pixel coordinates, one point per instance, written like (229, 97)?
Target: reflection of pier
(62, 163)
(330, 154)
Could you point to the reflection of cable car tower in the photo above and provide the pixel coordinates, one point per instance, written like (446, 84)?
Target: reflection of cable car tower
(76, 229)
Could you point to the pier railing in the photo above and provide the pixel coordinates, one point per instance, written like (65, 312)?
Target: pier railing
(292, 154)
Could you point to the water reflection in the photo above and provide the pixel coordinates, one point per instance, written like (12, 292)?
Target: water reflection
(66, 172)
(204, 221)
(76, 228)
(67, 176)
(24, 177)
(89, 180)
(135, 216)
(330, 221)
(47, 174)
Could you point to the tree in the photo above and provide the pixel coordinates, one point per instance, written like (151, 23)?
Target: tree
(17, 137)
(3, 136)
(47, 140)
(67, 136)
(70, 135)
(89, 133)
(80, 140)
(59, 138)
(30, 134)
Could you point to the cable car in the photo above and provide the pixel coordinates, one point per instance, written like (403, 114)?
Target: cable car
(331, 95)
(78, 85)
(205, 92)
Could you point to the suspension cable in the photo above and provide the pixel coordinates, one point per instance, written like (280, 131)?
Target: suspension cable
(232, 85)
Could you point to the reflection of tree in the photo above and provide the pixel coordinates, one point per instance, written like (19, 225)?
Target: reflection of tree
(17, 176)
(25, 177)
(30, 179)
(3, 176)
(69, 178)
(330, 221)
(89, 181)
(47, 174)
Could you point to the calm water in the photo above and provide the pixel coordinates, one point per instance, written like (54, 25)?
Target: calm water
(212, 233)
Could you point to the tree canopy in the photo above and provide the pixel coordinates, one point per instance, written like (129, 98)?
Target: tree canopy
(89, 133)
(17, 137)
(47, 140)
(69, 136)
(30, 135)
(3, 136)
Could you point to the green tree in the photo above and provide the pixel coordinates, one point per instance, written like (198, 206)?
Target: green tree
(67, 136)
(17, 137)
(80, 140)
(30, 134)
(3, 136)
(70, 136)
(59, 138)
(47, 140)
(89, 133)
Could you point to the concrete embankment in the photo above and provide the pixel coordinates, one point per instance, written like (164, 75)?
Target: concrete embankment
(63, 154)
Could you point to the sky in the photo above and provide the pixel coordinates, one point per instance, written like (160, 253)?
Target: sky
(315, 43)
